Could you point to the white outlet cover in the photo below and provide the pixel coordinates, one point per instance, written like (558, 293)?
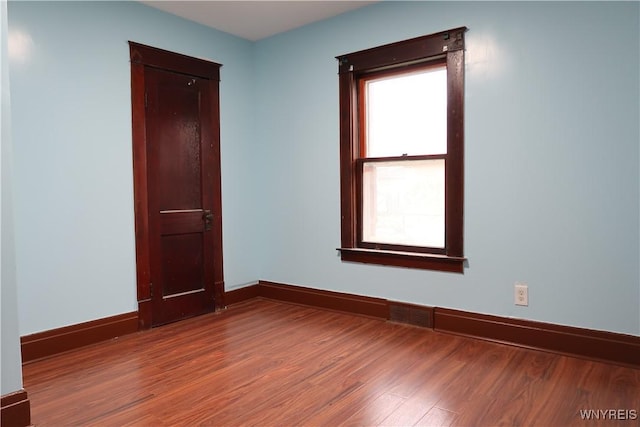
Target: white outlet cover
(521, 294)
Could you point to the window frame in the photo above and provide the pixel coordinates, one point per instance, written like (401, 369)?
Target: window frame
(446, 47)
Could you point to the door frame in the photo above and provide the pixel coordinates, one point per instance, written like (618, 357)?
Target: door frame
(143, 56)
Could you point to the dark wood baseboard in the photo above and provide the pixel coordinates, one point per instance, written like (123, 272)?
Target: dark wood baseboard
(337, 301)
(15, 409)
(236, 296)
(48, 343)
(585, 343)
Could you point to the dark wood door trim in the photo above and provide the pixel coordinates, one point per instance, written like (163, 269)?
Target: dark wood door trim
(166, 60)
(142, 56)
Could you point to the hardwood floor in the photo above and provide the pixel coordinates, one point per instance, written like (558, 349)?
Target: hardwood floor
(275, 364)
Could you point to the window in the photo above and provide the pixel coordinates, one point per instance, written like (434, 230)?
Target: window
(401, 153)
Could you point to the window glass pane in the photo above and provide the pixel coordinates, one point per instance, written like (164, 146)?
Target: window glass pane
(407, 114)
(403, 202)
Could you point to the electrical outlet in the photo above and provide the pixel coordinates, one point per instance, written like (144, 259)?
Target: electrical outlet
(521, 293)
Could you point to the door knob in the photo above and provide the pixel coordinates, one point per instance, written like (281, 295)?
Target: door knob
(207, 217)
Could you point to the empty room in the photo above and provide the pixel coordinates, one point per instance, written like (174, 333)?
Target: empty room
(318, 213)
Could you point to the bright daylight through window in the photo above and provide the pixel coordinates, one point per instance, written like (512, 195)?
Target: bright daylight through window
(401, 149)
(403, 200)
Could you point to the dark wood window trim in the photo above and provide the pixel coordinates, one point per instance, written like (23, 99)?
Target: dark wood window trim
(444, 47)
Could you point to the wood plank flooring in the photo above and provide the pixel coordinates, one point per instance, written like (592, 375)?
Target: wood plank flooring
(268, 363)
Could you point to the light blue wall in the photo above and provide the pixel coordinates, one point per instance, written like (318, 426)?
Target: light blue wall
(73, 161)
(10, 358)
(552, 158)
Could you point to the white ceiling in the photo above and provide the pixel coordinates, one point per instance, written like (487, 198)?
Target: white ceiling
(255, 20)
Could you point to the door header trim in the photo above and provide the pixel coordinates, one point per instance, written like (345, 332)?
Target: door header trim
(166, 60)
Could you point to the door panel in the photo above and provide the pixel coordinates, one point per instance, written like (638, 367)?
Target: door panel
(173, 112)
(180, 187)
(177, 189)
(182, 263)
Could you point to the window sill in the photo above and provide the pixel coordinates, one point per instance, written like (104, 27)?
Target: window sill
(404, 259)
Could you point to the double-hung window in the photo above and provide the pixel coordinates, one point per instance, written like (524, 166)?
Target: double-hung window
(401, 153)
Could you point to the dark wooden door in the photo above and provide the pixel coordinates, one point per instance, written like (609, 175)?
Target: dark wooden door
(180, 171)
(182, 237)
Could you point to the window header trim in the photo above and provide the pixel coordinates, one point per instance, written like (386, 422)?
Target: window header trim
(403, 52)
